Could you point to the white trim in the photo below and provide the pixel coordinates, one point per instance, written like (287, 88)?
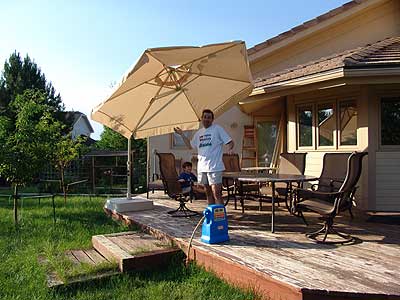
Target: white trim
(300, 81)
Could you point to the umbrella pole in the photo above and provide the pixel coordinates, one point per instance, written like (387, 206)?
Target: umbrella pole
(129, 169)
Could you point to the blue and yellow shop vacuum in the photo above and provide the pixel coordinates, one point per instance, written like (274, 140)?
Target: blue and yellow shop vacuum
(215, 225)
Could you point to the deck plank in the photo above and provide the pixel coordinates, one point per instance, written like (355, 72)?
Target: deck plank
(287, 255)
(95, 256)
(82, 257)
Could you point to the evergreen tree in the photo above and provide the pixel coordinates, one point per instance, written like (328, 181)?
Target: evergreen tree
(21, 74)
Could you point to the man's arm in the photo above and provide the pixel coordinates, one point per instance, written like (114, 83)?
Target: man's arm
(184, 137)
(230, 145)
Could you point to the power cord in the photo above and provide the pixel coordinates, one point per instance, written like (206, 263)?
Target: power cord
(190, 242)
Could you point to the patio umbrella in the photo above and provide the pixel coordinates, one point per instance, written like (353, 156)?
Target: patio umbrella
(171, 86)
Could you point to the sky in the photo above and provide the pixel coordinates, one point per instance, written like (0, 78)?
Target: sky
(84, 47)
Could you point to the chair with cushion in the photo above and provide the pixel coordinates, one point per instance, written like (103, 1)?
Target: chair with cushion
(289, 163)
(329, 203)
(173, 188)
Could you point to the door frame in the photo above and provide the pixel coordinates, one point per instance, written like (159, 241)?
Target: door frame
(260, 119)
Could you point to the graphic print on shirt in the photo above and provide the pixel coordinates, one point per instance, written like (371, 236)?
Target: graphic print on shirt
(205, 140)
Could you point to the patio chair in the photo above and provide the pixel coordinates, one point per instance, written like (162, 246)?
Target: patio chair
(333, 174)
(289, 163)
(169, 176)
(328, 204)
(232, 164)
(156, 183)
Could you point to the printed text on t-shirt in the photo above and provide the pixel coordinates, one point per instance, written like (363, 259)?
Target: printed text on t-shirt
(205, 140)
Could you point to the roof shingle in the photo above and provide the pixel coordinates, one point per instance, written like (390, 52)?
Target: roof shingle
(382, 53)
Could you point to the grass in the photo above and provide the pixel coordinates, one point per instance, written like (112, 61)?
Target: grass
(22, 277)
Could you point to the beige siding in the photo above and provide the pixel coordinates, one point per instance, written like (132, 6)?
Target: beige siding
(368, 26)
(388, 181)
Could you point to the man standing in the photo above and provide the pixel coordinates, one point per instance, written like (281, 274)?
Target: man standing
(209, 141)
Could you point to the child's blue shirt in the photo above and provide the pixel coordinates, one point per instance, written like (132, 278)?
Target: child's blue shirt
(188, 177)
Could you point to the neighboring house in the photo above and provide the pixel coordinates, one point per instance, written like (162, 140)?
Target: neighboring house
(80, 124)
(331, 84)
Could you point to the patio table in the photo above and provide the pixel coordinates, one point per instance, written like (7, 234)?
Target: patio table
(260, 169)
(242, 177)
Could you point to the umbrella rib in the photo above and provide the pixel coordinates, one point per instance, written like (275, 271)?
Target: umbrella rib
(222, 104)
(219, 77)
(161, 108)
(114, 119)
(134, 87)
(180, 123)
(191, 105)
(168, 103)
(150, 104)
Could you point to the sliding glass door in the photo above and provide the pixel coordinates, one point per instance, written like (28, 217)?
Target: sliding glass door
(266, 140)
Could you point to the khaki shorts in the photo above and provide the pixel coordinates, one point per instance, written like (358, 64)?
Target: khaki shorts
(208, 178)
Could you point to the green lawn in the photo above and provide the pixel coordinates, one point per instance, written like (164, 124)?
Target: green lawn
(21, 276)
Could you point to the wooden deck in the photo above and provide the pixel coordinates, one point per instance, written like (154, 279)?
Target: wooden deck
(285, 264)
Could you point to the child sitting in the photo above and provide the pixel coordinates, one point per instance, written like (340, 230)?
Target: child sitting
(186, 178)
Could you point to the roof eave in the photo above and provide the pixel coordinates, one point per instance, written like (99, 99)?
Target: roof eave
(300, 81)
(342, 72)
(259, 51)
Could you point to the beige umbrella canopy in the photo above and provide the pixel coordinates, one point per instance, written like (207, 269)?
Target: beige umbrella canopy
(170, 87)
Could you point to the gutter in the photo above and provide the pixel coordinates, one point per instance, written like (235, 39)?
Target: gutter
(342, 72)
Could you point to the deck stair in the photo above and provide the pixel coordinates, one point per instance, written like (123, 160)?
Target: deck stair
(112, 254)
(134, 250)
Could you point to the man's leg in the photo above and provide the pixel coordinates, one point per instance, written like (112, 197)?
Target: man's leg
(203, 179)
(209, 194)
(217, 193)
(215, 179)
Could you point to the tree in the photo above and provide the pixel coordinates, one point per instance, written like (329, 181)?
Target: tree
(65, 151)
(26, 143)
(22, 74)
(112, 140)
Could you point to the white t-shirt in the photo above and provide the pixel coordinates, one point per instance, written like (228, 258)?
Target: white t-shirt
(209, 142)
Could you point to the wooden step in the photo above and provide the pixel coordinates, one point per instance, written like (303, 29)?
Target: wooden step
(78, 258)
(134, 250)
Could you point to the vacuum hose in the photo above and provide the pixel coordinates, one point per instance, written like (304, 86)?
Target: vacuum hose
(191, 239)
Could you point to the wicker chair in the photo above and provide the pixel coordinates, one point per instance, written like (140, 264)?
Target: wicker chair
(169, 176)
(328, 203)
(289, 163)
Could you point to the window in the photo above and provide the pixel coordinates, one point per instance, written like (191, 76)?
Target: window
(177, 141)
(334, 125)
(348, 123)
(326, 124)
(390, 121)
(305, 121)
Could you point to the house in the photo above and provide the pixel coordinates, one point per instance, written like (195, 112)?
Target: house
(331, 84)
(80, 124)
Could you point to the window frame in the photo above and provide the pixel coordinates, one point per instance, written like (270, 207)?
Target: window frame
(385, 147)
(312, 107)
(339, 131)
(188, 133)
(335, 133)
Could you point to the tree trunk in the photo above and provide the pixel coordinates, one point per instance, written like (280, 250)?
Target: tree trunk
(64, 188)
(15, 205)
